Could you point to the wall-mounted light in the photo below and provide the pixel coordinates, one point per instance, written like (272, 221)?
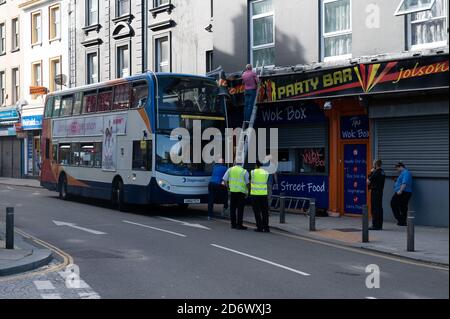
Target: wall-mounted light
(328, 105)
(209, 28)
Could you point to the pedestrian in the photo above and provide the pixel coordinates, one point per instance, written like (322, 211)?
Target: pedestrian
(237, 180)
(216, 188)
(250, 79)
(376, 182)
(259, 193)
(403, 193)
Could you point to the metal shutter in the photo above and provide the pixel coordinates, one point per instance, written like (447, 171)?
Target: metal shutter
(420, 142)
(303, 136)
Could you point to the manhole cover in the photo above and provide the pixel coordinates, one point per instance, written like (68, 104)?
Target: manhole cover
(348, 230)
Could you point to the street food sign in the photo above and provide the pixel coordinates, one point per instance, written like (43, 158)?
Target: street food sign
(420, 73)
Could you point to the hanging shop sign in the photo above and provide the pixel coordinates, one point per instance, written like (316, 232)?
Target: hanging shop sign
(290, 113)
(38, 90)
(355, 128)
(420, 73)
(9, 115)
(32, 122)
(304, 186)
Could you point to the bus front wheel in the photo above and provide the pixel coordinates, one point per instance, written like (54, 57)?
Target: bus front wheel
(118, 195)
(63, 194)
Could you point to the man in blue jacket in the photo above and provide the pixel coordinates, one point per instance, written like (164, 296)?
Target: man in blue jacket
(216, 188)
(403, 193)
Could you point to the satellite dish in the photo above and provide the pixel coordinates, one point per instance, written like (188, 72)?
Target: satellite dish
(61, 79)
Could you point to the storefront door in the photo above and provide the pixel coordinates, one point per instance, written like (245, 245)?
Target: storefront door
(355, 178)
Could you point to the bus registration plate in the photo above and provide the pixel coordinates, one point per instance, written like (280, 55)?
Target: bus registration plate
(192, 201)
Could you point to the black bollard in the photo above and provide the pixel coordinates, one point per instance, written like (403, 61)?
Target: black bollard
(312, 215)
(365, 225)
(282, 209)
(410, 232)
(9, 228)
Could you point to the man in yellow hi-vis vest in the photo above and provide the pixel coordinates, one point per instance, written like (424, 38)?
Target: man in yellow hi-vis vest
(237, 180)
(259, 193)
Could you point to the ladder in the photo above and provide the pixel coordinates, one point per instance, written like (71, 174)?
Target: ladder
(247, 126)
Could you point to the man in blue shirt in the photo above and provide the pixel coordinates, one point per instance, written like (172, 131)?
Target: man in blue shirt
(403, 193)
(216, 188)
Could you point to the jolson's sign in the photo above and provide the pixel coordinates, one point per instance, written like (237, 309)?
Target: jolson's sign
(38, 90)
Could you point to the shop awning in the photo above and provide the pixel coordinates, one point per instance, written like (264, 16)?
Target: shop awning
(9, 115)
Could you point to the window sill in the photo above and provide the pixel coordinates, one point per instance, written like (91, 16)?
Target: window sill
(162, 25)
(164, 8)
(36, 44)
(15, 50)
(54, 40)
(433, 45)
(2, 53)
(128, 18)
(89, 28)
(337, 58)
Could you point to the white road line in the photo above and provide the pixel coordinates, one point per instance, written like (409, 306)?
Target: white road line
(371, 298)
(43, 285)
(263, 260)
(89, 295)
(51, 296)
(154, 228)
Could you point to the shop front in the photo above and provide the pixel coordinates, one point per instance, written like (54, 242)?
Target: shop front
(333, 122)
(10, 146)
(31, 126)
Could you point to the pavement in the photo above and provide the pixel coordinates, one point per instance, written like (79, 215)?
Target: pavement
(25, 256)
(431, 243)
(163, 252)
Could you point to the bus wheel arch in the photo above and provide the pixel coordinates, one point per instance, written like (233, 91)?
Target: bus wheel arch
(117, 194)
(62, 186)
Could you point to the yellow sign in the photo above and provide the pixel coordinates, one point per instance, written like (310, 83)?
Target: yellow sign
(143, 145)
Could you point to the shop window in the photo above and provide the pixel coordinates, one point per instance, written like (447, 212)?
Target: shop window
(64, 154)
(142, 155)
(75, 155)
(285, 163)
(66, 106)
(139, 94)
(121, 97)
(104, 100)
(90, 102)
(77, 103)
(312, 161)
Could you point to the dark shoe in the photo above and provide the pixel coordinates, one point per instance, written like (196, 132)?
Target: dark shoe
(241, 228)
(402, 224)
(266, 230)
(258, 230)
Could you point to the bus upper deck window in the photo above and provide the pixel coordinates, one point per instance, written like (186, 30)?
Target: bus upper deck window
(140, 94)
(104, 100)
(121, 97)
(66, 105)
(56, 106)
(90, 102)
(49, 107)
(77, 103)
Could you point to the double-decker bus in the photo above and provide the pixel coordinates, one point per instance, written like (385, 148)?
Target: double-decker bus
(112, 140)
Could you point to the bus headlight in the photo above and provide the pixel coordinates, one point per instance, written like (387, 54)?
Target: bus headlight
(164, 185)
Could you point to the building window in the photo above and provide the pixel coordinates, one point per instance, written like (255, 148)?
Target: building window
(162, 54)
(209, 61)
(429, 28)
(15, 34)
(412, 6)
(123, 8)
(91, 12)
(159, 3)
(262, 33)
(16, 85)
(123, 61)
(92, 68)
(55, 70)
(55, 22)
(36, 75)
(2, 88)
(36, 28)
(336, 29)
(2, 38)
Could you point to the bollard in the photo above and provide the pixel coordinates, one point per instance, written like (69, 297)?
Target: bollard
(410, 231)
(365, 225)
(9, 228)
(282, 209)
(312, 215)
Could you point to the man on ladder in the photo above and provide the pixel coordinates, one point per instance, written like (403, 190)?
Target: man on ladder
(250, 79)
(259, 195)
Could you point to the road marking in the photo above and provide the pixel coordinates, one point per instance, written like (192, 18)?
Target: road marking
(371, 298)
(89, 295)
(185, 223)
(154, 228)
(51, 296)
(263, 260)
(43, 285)
(95, 232)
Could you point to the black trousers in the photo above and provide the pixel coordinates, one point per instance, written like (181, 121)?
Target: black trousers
(237, 205)
(377, 209)
(218, 194)
(261, 209)
(399, 205)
